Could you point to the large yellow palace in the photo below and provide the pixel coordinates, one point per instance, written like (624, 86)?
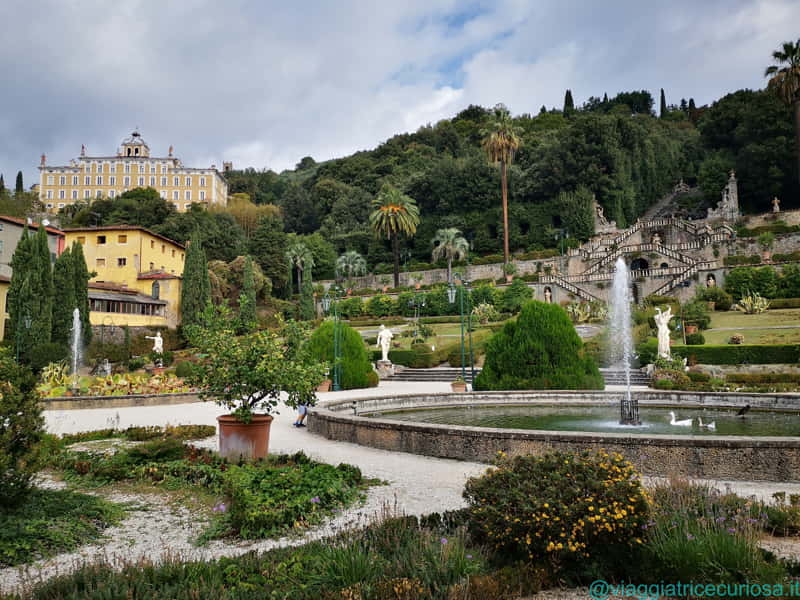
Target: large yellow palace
(91, 177)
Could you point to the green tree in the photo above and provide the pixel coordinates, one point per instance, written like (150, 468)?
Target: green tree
(195, 287)
(663, 107)
(569, 104)
(578, 214)
(299, 257)
(64, 282)
(501, 140)
(394, 214)
(785, 83)
(81, 275)
(42, 290)
(538, 350)
(350, 264)
(450, 245)
(356, 368)
(247, 300)
(19, 188)
(307, 309)
(2, 185)
(267, 246)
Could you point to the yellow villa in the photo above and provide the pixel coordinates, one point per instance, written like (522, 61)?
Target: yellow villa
(138, 275)
(90, 177)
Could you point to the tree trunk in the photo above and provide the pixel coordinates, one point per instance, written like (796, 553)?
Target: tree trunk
(449, 270)
(797, 135)
(299, 280)
(504, 189)
(396, 252)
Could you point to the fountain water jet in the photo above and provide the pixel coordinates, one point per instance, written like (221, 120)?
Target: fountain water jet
(76, 348)
(621, 339)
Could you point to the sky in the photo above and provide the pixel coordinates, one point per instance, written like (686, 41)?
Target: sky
(263, 83)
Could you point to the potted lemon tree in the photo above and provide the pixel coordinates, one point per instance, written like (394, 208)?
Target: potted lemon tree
(248, 375)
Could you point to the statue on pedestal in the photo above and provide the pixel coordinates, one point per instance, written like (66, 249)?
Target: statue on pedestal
(158, 342)
(385, 342)
(662, 322)
(776, 205)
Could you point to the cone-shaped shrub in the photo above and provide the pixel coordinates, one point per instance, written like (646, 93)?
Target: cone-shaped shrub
(540, 350)
(355, 366)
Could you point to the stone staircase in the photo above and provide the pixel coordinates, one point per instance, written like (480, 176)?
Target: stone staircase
(611, 376)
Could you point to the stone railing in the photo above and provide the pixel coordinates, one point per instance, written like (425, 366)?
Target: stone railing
(560, 281)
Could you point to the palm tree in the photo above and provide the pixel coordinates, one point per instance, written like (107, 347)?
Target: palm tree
(299, 256)
(352, 264)
(395, 214)
(449, 244)
(785, 82)
(501, 140)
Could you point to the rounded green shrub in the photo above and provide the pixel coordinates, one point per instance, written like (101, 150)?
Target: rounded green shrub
(559, 506)
(380, 306)
(722, 300)
(355, 366)
(515, 296)
(21, 430)
(695, 339)
(183, 369)
(44, 354)
(540, 350)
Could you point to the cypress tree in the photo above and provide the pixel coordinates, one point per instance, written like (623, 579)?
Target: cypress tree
(605, 98)
(18, 187)
(196, 286)
(247, 299)
(663, 104)
(81, 277)
(543, 110)
(18, 299)
(2, 184)
(307, 297)
(42, 290)
(569, 105)
(64, 283)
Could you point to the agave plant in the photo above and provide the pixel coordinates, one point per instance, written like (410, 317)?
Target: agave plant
(753, 304)
(56, 374)
(485, 312)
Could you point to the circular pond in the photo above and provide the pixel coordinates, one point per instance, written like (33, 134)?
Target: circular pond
(605, 419)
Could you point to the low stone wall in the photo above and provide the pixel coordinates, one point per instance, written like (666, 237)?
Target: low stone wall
(79, 402)
(729, 457)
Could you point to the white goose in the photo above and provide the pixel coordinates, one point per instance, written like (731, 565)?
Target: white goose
(710, 426)
(684, 423)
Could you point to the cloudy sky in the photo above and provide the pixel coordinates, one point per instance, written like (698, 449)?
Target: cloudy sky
(266, 83)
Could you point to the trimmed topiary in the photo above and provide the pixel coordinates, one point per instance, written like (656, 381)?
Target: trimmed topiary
(695, 339)
(355, 366)
(540, 350)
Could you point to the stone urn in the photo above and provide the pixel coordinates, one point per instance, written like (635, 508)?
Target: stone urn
(239, 440)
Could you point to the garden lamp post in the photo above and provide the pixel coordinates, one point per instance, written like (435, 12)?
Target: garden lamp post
(417, 302)
(330, 303)
(451, 297)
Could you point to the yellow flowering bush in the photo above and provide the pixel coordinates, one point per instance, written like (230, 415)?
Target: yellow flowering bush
(558, 506)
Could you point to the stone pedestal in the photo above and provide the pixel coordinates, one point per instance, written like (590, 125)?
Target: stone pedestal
(385, 368)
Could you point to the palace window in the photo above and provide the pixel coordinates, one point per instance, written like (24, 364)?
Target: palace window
(202, 195)
(99, 180)
(188, 195)
(112, 193)
(87, 180)
(163, 181)
(62, 180)
(202, 182)
(112, 180)
(126, 181)
(74, 180)
(152, 182)
(152, 168)
(49, 205)
(99, 194)
(121, 262)
(60, 205)
(177, 206)
(62, 194)
(188, 182)
(112, 168)
(141, 168)
(50, 180)
(187, 206)
(163, 169)
(176, 181)
(141, 181)
(87, 193)
(49, 194)
(74, 194)
(127, 167)
(175, 194)
(164, 194)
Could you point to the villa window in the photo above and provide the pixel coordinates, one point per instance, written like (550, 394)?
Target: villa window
(156, 291)
(101, 239)
(82, 241)
(121, 262)
(122, 239)
(101, 262)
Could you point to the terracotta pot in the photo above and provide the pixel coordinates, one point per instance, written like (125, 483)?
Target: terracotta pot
(766, 255)
(324, 386)
(459, 386)
(711, 305)
(385, 288)
(690, 329)
(249, 441)
(509, 278)
(417, 286)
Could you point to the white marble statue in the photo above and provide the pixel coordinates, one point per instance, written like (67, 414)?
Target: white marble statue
(662, 322)
(158, 342)
(384, 341)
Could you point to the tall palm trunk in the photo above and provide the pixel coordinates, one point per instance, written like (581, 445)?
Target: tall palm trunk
(504, 189)
(299, 279)
(797, 135)
(396, 252)
(449, 270)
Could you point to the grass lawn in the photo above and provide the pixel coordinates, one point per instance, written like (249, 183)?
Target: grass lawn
(771, 318)
(755, 336)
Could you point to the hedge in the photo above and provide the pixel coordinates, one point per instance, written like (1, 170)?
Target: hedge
(371, 321)
(784, 303)
(763, 378)
(740, 354)
(741, 259)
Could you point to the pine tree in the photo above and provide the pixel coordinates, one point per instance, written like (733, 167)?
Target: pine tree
(18, 187)
(247, 299)
(81, 277)
(195, 287)
(663, 105)
(307, 297)
(64, 282)
(569, 105)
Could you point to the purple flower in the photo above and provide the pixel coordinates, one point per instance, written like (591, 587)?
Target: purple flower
(469, 556)
(731, 530)
(315, 500)
(689, 536)
(444, 541)
(720, 519)
(220, 507)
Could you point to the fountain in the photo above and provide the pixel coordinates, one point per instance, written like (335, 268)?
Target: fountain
(621, 340)
(76, 346)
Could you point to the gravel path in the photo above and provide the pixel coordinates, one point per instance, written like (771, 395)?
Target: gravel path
(416, 485)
